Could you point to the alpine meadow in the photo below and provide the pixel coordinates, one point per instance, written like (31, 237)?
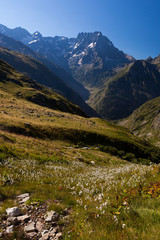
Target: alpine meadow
(79, 120)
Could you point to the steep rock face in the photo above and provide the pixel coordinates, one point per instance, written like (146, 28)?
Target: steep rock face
(90, 57)
(156, 61)
(131, 87)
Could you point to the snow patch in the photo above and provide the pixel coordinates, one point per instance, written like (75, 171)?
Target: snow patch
(80, 62)
(76, 46)
(33, 41)
(92, 45)
(80, 54)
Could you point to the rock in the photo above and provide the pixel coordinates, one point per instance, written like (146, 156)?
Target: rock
(52, 234)
(23, 198)
(30, 227)
(12, 221)
(1, 234)
(31, 234)
(23, 218)
(9, 229)
(58, 236)
(46, 236)
(39, 226)
(51, 216)
(44, 232)
(20, 197)
(13, 212)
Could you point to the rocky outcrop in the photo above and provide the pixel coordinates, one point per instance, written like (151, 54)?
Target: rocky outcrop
(32, 221)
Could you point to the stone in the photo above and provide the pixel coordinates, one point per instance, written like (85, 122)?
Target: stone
(30, 227)
(23, 218)
(9, 229)
(22, 196)
(13, 212)
(12, 221)
(24, 200)
(44, 232)
(39, 226)
(51, 216)
(1, 234)
(46, 236)
(58, 236)
(31, 234)
(52, 234)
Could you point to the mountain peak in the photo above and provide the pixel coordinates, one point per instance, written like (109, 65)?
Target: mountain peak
(37, 35)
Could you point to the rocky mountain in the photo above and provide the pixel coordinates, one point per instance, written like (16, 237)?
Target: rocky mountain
(145, 121)
(18, 46)
(17, 33)
(23, 87)
(131, 87)
(41, 74)
(156, 61)
(90, 57)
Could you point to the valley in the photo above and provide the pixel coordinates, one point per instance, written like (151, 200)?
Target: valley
(79, 139)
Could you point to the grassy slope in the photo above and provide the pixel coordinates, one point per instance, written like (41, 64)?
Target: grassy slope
(145, 122)
(23, 87)
(108, 196)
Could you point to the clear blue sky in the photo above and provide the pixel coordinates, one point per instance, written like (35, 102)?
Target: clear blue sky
(132, 25)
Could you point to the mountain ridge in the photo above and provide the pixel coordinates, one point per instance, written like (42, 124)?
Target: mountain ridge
(135, 84)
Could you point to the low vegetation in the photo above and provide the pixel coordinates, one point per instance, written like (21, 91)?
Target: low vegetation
(144, 121)
(103, 174)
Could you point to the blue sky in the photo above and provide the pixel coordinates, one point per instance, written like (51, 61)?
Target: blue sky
(132, 25)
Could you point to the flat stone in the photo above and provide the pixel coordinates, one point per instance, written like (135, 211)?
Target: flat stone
(13, 212)
(22, 196)
(12, 221)
(30, 227)
(39, 226)
(23, 218)
(51, 216)
(9, 229)
(31, 234)
(24, 200)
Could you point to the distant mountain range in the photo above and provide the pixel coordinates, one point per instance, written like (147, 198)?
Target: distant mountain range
(87, 57)
(112, 82)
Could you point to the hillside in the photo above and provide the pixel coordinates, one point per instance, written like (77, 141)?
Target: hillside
(23, 87)
(145, 121)
(40, 73)
(84, 171)
(131, 87)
